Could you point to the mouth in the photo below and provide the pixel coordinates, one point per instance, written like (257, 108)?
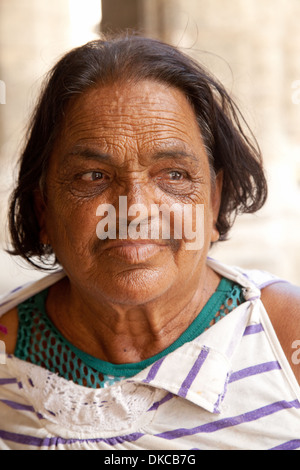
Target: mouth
(134, 251)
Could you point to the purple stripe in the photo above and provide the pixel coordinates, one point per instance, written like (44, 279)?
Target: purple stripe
(193, 373)
(112, 440)
(229, 422)
(272, 281)
(16, 289)
(154, 369)
(8, 381)
(20, 407)
(253, 370)
(252, 329)
(17, 406)
(20, 438)
(290, 445)
(55, 441)
(221, 395)
(157, 404)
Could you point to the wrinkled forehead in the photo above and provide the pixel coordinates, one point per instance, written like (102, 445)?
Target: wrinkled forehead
(144, 116)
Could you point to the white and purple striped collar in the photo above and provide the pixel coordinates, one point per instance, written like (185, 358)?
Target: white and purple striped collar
(203, 366)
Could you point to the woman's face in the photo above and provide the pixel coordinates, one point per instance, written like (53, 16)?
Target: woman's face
(123, 145)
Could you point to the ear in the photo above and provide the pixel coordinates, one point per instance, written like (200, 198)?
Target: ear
(40, 212)
(216, 202)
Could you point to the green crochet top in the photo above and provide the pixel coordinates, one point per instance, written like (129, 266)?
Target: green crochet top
(40, 343)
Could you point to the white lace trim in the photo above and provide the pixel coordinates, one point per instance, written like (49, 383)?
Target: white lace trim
(81, 409)
(103, 412)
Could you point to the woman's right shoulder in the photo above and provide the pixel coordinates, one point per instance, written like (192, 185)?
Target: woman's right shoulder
(9, 322)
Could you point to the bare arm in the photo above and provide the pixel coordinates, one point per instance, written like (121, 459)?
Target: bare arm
(282, 302)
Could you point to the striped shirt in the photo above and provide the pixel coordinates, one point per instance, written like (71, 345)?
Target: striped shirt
(230, 388)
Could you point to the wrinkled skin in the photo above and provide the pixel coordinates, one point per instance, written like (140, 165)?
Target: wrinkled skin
(128, 302)
(123, 302)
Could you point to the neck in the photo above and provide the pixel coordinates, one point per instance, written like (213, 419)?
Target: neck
(124, 334)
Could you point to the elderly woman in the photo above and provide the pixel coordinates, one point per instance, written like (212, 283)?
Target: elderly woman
(139, 340)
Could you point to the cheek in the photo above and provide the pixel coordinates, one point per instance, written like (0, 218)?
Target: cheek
(71, 227)
(190, 222)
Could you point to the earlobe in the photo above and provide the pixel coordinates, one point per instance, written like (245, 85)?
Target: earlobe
(40, 212)
(215, 235)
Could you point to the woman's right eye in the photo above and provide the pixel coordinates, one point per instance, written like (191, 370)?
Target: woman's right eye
(89, 183)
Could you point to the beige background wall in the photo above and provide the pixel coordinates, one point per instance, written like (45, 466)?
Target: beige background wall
(252, 46)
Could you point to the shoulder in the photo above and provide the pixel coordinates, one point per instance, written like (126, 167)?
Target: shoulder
(282, 303)
(9, 330)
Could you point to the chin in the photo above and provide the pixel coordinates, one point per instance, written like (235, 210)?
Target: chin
(136, 286)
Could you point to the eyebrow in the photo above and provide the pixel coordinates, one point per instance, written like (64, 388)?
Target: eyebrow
(89, 154)
(176, 154)
(93, 154)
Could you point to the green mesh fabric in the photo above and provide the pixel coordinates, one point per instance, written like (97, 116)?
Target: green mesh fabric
(40, 343)
(233, 300)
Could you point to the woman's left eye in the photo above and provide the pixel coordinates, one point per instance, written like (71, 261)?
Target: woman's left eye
(176, 175)
(93, 176)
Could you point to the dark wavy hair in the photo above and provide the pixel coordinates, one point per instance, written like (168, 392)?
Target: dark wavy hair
(230, 145)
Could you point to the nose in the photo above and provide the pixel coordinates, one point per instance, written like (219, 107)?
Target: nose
(138, 196)
(134, 210)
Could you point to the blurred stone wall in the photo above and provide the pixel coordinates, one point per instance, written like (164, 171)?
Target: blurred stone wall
(34, 34)
(251, 46)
